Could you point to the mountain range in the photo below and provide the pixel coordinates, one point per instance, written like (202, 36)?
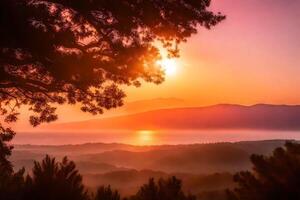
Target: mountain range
(223, 116)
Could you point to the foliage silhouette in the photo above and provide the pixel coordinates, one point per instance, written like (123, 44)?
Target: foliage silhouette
(275, 177)
(11, 183)
(106, 193)
(79, 51)
(6, 135)
(165, 189)
(53, 180)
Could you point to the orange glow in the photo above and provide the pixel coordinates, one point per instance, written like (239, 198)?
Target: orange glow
(145, 137)
(244, 60)
(168, 65)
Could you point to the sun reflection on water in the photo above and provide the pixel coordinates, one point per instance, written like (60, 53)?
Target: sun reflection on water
(145, 137)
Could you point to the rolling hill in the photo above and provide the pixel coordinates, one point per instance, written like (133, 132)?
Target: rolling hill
(223, 116)
(191, 158)
(206, 169)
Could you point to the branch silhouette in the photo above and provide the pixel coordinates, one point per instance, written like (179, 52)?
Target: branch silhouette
(67, 52)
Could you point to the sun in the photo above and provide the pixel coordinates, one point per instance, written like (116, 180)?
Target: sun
(168, 65)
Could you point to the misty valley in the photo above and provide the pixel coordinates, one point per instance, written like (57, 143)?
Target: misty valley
(205, 169)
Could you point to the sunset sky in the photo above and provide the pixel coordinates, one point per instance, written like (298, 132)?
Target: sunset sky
(251, 57)
(149, 99)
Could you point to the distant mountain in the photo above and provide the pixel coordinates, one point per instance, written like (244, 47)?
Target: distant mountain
(152, 104)
(223, 116)
(128, 108)
(145, 105)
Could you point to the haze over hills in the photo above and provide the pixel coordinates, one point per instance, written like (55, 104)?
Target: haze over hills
(202, 167)
(191, 158)
(223, 116)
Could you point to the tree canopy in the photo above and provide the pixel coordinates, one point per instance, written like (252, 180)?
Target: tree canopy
(275, 177)
(55, 180)
(11, 183)
(79, 51)
(106, 193)
(170, 188)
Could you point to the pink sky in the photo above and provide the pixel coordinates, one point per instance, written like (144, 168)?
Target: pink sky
(252, 57)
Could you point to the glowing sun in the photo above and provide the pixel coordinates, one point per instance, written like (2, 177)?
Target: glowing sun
(169, 66)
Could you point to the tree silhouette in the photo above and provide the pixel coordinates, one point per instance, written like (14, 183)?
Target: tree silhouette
(275, 177)
(149, 191)
(11, 183)
(165, 189)
(79, 51)
(6, 135)
(52, 180)
(106, 193)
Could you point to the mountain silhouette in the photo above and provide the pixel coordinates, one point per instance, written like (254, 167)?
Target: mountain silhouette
(223, 116)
